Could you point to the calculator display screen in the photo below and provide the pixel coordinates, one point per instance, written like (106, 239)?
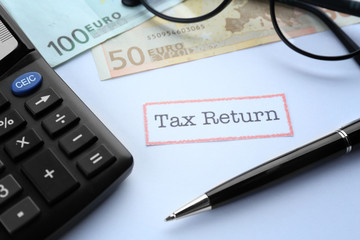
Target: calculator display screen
(8, 43)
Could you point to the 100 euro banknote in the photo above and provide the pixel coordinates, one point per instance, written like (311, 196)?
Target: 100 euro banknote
(61, 29)
(158, 43)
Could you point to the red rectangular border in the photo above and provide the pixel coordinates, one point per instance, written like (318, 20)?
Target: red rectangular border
(282, 95)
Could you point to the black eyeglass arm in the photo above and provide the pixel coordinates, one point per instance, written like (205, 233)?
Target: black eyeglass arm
(130, 3)
(351, 7)
(349, 44)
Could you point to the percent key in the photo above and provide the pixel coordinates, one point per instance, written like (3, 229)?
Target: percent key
(10, 122)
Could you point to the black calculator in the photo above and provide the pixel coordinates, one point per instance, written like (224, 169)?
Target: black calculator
(57, 159)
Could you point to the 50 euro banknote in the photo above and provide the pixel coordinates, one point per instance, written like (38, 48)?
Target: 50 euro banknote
(158, 43)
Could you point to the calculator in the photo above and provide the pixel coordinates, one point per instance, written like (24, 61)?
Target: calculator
(57, 159)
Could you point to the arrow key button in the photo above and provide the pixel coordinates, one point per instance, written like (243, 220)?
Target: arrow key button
(42, 102)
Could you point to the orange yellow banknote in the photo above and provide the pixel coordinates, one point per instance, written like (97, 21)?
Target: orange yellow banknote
(158, 43)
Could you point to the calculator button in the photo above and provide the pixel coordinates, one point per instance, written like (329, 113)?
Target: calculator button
(23, 144)
(77, 140)
(42, 102)
(49, 176)
(96, 161)
(26, 83)
(19, 214)
(3, 101)
(9, 187)
(10, 121)
(59, 121)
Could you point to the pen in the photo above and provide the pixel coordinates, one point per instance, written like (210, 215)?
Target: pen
(332, 145)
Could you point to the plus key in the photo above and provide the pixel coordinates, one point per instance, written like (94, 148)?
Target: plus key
(50, 176)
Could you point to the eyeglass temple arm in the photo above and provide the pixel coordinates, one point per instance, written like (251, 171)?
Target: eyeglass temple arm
(350, 45)
(351, 7)
(130, 3)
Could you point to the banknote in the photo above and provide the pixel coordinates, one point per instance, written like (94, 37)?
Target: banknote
(158, 43)
(61, 29)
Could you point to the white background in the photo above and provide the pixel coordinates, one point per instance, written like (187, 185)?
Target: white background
(322, 203)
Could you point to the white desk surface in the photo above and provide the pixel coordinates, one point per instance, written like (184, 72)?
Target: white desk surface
(322, 203)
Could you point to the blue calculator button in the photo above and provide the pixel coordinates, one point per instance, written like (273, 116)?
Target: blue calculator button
(26, 83)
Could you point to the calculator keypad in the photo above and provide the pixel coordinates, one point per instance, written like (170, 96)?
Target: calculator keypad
(53, 180)
(57, 159)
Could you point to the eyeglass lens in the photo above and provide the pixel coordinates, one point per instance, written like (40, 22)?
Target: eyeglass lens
(319, 23)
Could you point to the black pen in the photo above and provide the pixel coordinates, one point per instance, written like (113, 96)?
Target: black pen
(332, 145)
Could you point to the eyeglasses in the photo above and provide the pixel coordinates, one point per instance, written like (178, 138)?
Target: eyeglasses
(291, 20)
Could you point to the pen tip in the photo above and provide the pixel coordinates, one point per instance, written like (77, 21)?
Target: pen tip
(170, 218)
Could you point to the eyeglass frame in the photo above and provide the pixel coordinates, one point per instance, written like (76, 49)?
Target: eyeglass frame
(339, 33)
(218, 9)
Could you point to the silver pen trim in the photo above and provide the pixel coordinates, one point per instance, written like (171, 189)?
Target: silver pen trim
(198, 205)
(344, 135)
